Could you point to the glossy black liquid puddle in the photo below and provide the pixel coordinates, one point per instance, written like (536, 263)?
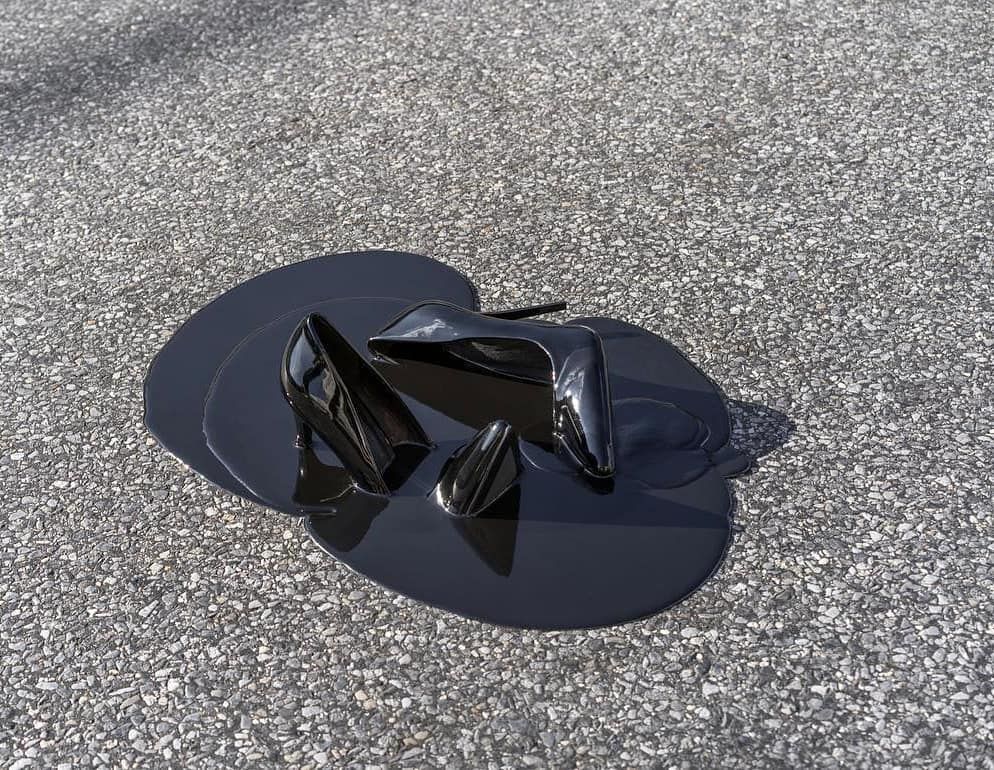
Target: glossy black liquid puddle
(559, 549)
(554, 548)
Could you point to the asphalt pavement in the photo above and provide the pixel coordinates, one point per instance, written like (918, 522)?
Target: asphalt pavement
(799, 194)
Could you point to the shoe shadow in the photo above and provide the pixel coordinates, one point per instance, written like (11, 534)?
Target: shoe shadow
(758, 430)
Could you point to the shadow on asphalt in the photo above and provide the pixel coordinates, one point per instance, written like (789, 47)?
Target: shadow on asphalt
(758, 430)
(94, 65)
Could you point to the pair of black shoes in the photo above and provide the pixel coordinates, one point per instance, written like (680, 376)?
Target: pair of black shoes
(336, 393)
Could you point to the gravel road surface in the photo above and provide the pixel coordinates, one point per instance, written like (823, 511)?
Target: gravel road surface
(799, 194)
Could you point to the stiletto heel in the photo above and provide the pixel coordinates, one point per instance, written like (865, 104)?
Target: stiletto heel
(335, 392)
(516, 314)
(305, 434)
(570, 358)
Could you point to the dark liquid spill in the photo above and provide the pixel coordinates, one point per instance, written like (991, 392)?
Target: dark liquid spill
(560, 551)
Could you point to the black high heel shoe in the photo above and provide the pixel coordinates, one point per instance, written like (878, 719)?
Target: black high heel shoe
(570, 358)
(336, 393)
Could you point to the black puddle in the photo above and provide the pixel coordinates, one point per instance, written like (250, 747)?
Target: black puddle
(558, 549)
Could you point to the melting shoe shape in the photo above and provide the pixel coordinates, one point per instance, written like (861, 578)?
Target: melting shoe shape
(479, 487)
(659, 444)
(481, 472)
(570, 357)
(336, 393)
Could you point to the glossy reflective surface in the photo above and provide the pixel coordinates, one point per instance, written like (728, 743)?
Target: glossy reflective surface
(569, 357)
(481, 473)
(250, 427)
(180, 375)
(554, 551)
(334, 392)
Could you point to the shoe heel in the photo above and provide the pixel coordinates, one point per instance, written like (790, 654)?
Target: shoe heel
(305, 433)
(519, 313)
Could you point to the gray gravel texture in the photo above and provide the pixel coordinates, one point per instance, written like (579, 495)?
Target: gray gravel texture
(799, 194)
